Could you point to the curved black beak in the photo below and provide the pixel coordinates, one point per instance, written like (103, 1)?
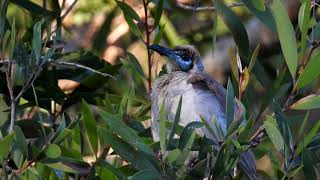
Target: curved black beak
(165, 51)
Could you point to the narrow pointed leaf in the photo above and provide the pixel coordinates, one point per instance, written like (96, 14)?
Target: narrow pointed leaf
(286, 36)
(309, 102)
(273, 132)
(21, 141)
(310, 72)
(254, 57)
(308, 137)
(175, 122)
(229, 104)
(90, 126)
(128, 10)
(5, 145)
(303, 19)
(136, 65)
(158, 13)
(162, 128)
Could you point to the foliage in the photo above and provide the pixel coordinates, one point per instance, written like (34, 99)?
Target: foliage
(100, 129)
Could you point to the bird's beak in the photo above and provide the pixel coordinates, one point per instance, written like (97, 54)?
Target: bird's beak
(166, 52)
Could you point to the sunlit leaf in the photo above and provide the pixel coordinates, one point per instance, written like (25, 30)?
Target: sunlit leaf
(90, 125)
(233, 64)
(245, 79)
(173, 155)
(37, 39)
(162, 127)
(309, 102)
(259, 4)
(53, 151)
(136, 65)
(310, 72)
(286, 36)
(273, 132)
(254, 57)
(303, 19)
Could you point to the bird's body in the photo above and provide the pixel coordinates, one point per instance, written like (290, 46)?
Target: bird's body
(202, 96)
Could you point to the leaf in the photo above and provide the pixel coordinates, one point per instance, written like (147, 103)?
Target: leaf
(303, 19)
(133, 26)
(310, 72)
(59, 130)
(162, 128)
(105, 164)
(128, 10)
(12, 38)
(259, 4)
(37, 39)
(5, 145)
(245, 80)
(233, 64)
(158, 13)
(3, 11)
(53, 151)
(159, 34)
(136, 65)
(309, 102)
(188, 135)
(235, 26)
(90, 126)
(254, 57)
(308, 138)
(21, 141)
(286, 36)
(229, 104)
(175, 122)
(273, 132)
(145, 174)
(173, 155)
(32, 7)
(67, 165)
(127, 134)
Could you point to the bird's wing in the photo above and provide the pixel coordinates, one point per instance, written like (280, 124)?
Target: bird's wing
(218, 90)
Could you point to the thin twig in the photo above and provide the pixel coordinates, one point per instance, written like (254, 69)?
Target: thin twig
(69, 10)
(82, 67)
(205, 8)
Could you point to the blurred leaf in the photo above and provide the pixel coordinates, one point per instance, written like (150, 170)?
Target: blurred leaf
(5, 145)
(159, 34)
(37, 39)
(12, 38)
(311, 101)
(259, 4)
(175, 122)
(173, 155)
(310, 72)
(110, 167)
(233, 64)
(188, 134)
(307, 139)
(254, 57)
(245, 80)
(273, 132)
(32, 7)
(264, 16)
(303, 125)
(286, 36)
(214, 128)
(145, 174)
(136, 65)
(90, 126)
(158, 13)
(235, 26)
(3, 10)
(162, 127)
(308, 165)
(229, 104)
(67, 165)
(127, 134)
(53, 151)
(21, 141)
(128, 10)
(304, 19)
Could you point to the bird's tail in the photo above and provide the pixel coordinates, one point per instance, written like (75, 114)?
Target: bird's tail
(247, 165)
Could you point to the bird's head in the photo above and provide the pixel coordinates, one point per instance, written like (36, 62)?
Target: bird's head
(182, 58)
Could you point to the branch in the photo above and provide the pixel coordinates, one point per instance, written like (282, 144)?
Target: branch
(205, 8)
(68, 10)
(82, 67)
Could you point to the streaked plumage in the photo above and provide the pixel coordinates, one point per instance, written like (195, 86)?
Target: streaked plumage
(201, 95)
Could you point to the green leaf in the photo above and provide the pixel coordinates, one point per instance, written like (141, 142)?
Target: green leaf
(105, 164)
(188, 135)
(127, 10)
(286, 36)
(230, 104)
(12, 38)
(158, 13)
(235, 26)
(32, 7)
(159, 34)
(310, 72)
(259, 4)
(5, 145)
(67, 165)
(309, 102)
(90, 126)
(127, 134)
(3, 11)
(254, 57)
(53, 151)
(59, 130)
(303, 19)
(37, 39)
(175, 122)
(145, 174)
(133, 26)
(308, 138)
(273, 132)
(173, 155)
(136, 65)
(21, 141)
(162, 128)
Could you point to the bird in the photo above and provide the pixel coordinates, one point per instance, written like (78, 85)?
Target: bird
(203, 97)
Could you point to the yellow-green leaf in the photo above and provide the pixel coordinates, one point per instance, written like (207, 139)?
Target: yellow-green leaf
(310, 72)
(309, 102)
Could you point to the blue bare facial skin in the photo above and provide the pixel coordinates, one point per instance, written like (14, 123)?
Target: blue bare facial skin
(184, 62)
